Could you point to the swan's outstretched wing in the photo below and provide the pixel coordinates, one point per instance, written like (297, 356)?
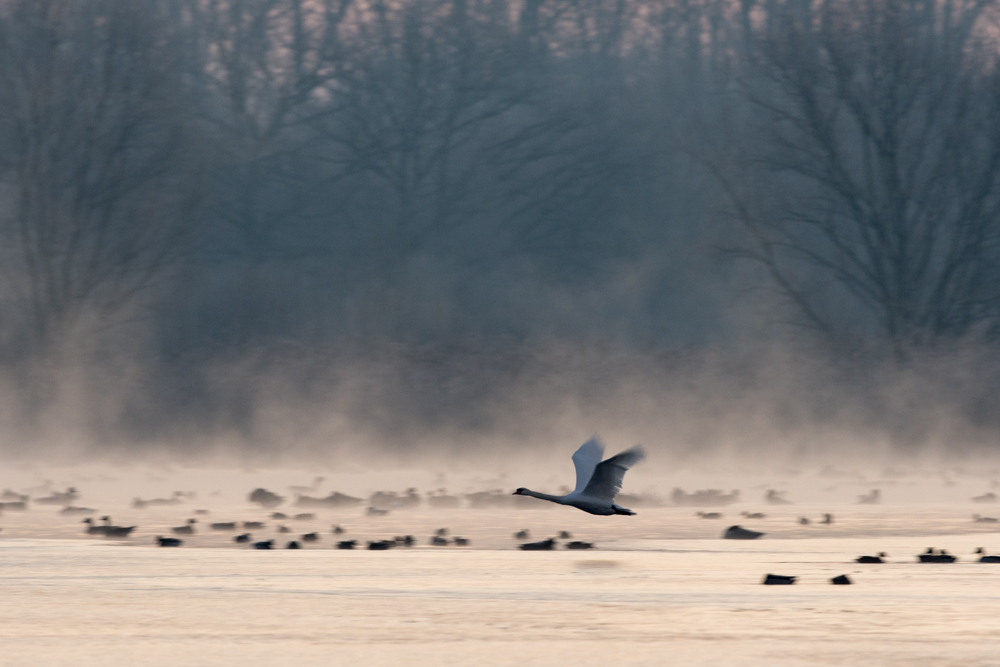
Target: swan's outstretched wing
(586, 460)
(608, 475)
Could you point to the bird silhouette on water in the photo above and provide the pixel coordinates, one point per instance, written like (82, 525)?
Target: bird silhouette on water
(580, 545)
(186, 529)
(983, 558)
(93, 528)
(71, 510)
(871, 559)
(169, 541)
(111, 530)
(544, 545)
(936, 556)
(740, 533)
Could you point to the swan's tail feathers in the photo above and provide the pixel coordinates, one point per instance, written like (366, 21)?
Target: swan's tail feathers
(621, 510)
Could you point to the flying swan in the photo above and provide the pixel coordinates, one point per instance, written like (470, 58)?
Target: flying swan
(597, 481)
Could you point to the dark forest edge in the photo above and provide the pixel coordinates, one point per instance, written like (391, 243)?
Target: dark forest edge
(411, 214)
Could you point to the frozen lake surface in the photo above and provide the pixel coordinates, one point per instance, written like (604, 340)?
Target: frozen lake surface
(661, 589)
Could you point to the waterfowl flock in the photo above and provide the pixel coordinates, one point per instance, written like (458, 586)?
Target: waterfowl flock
(596, 492)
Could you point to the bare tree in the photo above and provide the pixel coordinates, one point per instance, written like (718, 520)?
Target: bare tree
(94, 197)
(260, 72)
(875, 184)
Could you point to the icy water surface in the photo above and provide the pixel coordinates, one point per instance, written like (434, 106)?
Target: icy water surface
(661, 589)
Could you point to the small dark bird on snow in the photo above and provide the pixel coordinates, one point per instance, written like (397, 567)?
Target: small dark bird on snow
(310, 537)
(983, 558)
(92, 528)
(544, 545)
(778, 580)
(267, 544)
(242, 539)
(111, 530)
(740, 533)
(932, 556)
(871, 559)
(580, 545)
(187, 529)
(169, 541)
(347, 544)
(842, 580)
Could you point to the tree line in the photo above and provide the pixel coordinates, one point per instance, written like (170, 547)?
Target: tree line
(213, 176)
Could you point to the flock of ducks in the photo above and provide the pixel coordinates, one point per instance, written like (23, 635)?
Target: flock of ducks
(932, 555)
(598, 483)
(440, 538)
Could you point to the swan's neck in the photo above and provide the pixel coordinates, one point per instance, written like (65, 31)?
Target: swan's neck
(544, 496)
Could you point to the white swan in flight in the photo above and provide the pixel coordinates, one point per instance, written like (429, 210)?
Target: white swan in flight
(597, 481)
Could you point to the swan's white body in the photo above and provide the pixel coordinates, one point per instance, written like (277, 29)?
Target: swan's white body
(597, 481)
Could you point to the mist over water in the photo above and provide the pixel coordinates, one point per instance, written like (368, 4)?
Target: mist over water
(303, 232)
